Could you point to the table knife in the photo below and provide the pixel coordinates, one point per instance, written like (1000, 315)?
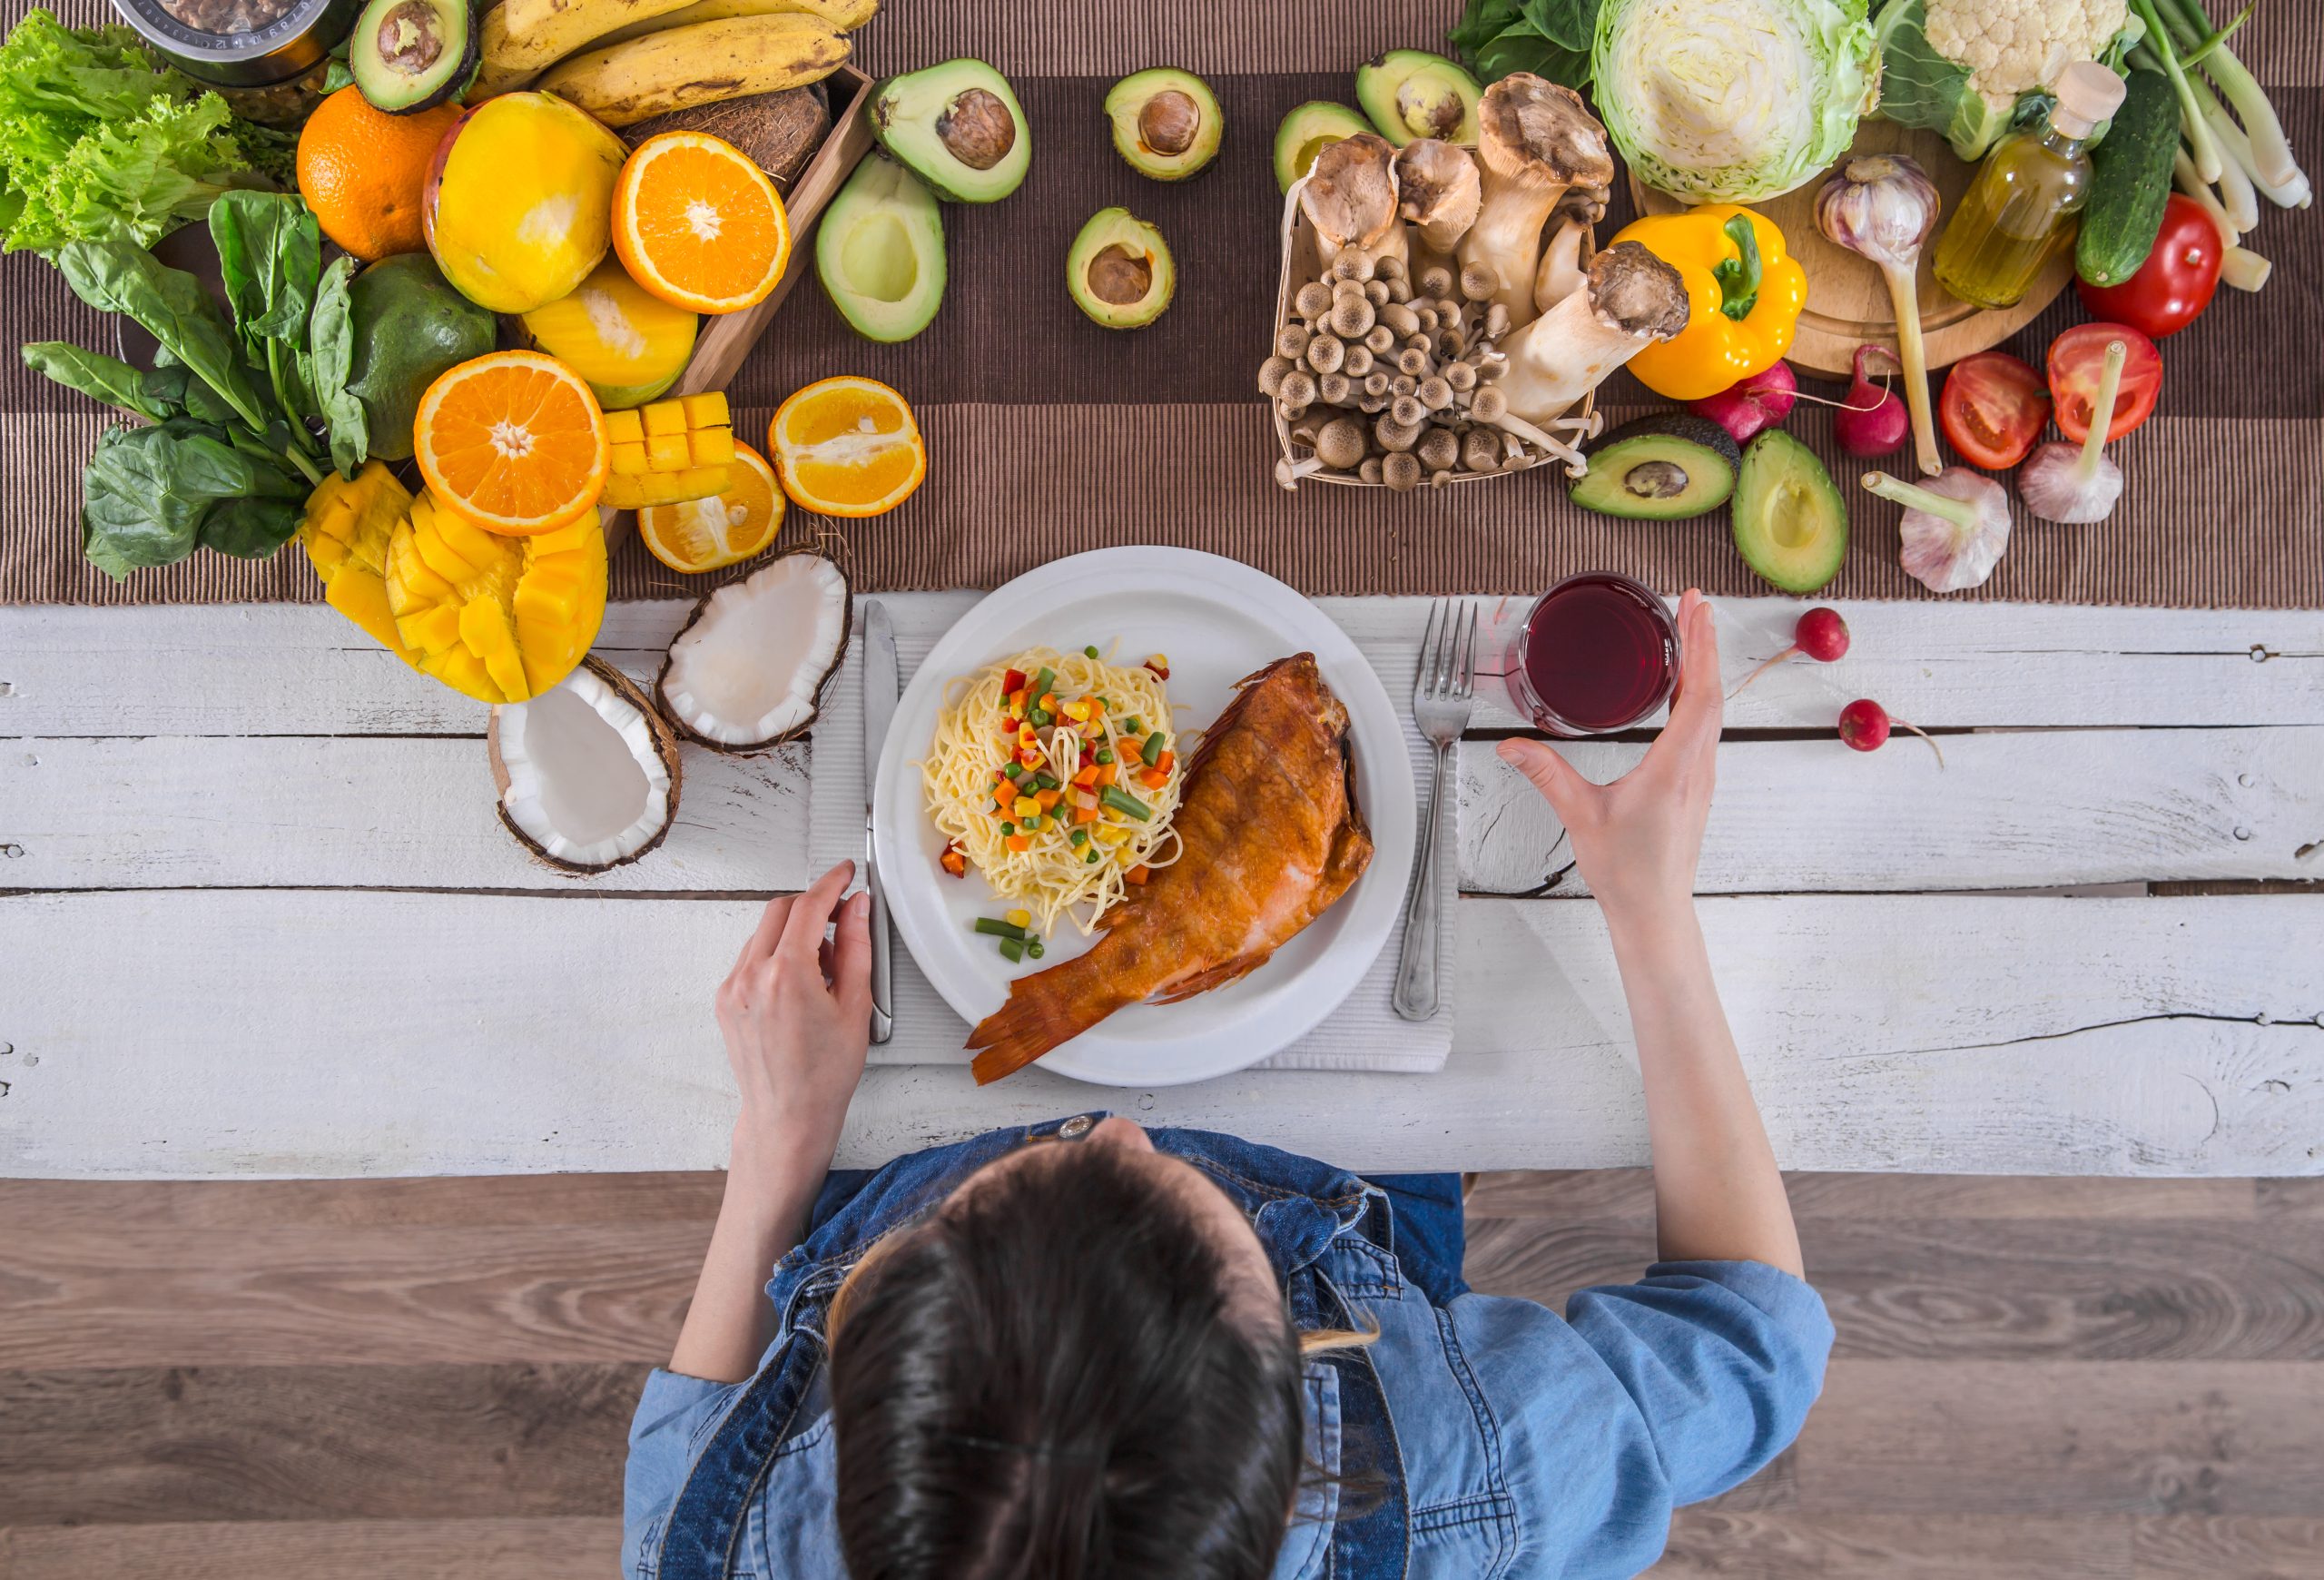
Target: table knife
(879, 684)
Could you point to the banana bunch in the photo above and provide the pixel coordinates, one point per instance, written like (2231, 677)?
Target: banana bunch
(626, 61)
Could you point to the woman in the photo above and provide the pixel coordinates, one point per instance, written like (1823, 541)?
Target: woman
(1089, 1349)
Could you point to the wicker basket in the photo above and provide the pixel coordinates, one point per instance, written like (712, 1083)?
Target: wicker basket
(1302, 262)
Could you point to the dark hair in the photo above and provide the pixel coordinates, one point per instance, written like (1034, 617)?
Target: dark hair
(1048, 1378)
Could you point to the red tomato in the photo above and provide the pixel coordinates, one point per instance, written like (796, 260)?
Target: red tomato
(2078, 360)
(1993, 408)
(2174, 284)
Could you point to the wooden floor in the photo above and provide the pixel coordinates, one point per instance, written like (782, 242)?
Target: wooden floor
(2074, 1379)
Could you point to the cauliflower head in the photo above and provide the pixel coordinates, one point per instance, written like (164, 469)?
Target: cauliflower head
(2013, 46)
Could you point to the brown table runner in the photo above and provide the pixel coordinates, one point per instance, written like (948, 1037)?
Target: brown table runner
(1047, 435)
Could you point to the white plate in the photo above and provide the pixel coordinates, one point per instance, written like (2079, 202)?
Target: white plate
(1218, 621)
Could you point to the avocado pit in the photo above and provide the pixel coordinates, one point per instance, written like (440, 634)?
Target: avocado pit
(1168, 123)
(1656, 480)
(977, 129)
(1118, 276)
(410, 36)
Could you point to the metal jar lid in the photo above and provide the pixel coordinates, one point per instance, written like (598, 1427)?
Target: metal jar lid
(291, 45)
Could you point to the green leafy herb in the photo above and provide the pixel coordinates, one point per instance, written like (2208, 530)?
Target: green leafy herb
(101, 377)
(1551, 38)
(269, 252)
(148, 489)
(124, 278)
(253, 527)
(332, 333)
(97, 141)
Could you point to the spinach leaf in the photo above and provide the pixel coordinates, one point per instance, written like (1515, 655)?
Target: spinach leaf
(1480, 22)
(269, 251)
(124, 278)
(147, 490)
(331, 332)
(1551, 38)
(97, 376)
(1570, 25)
(166, 385)
(1522, 47)
(250, 529)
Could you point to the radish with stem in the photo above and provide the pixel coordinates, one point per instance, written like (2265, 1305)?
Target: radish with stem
(1821, 633)
(1864, 726)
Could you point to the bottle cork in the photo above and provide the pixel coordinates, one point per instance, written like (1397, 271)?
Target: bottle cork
(2087, 93)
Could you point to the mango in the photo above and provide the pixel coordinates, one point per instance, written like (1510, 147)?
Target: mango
(669, 451)
(630, 344)
(501, 619)
(519, 204)
(348, 528)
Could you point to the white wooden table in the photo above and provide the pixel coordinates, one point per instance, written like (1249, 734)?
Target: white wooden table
(257, 918)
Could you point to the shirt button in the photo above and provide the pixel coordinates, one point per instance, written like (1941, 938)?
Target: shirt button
(1074, 1128)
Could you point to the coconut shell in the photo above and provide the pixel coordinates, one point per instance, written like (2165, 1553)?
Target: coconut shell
(822, 682)
(780, 132)
(665, 746)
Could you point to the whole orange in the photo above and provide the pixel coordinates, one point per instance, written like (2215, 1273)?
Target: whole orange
(364, 171)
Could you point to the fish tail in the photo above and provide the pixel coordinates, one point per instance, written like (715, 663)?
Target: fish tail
(1046, 1010)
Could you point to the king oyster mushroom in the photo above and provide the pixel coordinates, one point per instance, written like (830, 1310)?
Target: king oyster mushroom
(1536, 140)
(1351, 198)
(747, 669)
(1565, 258)
(1437, 191)
(1630, 300)
(587, 771)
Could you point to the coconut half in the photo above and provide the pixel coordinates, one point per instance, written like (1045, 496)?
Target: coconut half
(587, 771)
(747, 669)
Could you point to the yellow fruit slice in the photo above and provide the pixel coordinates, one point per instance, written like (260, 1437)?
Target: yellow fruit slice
(514, 442)
(847, 447)
(697, 222)
(724, 529)
(501, 619)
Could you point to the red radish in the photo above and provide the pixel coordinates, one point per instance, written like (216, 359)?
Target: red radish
(1820, 634)
(1872, 422)
(1762, 400)
(1864, 726)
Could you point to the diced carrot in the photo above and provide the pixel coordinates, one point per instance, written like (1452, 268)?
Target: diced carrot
(1046, 799)
(1085, 815)
(1163, 763)
(1087, 777)
(1109, 774)
(1137, 874)
(1018, 842)
(954, 863)
(1017, 698)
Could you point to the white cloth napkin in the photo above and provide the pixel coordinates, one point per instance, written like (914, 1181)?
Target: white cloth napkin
(1364, 1033)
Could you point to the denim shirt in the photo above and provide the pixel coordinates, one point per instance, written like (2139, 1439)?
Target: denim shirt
(1510, 1441)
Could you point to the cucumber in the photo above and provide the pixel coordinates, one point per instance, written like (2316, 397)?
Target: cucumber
(2130, 179)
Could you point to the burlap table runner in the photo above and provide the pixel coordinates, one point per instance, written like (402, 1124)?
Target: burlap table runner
(1047, 435)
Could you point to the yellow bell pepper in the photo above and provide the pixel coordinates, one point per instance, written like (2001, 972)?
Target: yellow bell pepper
(1744, 293)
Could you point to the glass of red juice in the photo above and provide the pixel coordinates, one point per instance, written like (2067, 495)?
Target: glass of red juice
(1599, 653)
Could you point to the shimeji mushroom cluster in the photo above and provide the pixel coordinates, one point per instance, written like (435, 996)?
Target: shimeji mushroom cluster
(1457, 319)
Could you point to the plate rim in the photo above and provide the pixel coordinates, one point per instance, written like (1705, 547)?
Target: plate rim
(1394, 827)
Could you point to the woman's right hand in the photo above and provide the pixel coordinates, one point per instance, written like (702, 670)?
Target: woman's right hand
(796, 1014)
(1636, 840)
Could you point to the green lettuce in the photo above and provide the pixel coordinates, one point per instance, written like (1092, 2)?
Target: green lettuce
(98, 142)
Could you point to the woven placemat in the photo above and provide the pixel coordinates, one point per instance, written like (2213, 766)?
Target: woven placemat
(1047, 435)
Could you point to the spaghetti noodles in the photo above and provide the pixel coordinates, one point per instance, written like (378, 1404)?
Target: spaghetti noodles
(1055, 774)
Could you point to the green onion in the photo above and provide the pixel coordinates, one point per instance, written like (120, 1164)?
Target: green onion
(994, 927)
(1090, 651)
(1033, 948)
(1045, 780)
(1153, 751)
(1012, 950)
(1128, 804)
(1105, 757)
(1042, 684)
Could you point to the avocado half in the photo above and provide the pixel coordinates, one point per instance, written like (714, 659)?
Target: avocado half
(1660, 468)
(409, 56)
(1410, 94)
(1791, 526)
(1307, 130)
(958, 127)
(1165, 123)
(880, 251)
(1119, 271)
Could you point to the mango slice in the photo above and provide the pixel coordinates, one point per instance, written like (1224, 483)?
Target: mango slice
(501, 619)
(346, 532)
(669, 451)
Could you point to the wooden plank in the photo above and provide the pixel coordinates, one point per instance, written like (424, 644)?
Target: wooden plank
(1627, 1195)
(2227, 1548)
(160, 1445)
(64, 1207)
(332, 1296)
(290, 670)
(403, 1549)
(1990, 1289)
(2025, 809)
(1743, 1545)
(2006, 1437)
(471, 1052)
(178, 812)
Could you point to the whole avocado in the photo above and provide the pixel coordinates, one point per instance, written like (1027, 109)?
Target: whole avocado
(410, 325)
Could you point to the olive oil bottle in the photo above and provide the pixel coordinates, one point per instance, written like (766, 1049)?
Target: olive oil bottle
(2027, 200)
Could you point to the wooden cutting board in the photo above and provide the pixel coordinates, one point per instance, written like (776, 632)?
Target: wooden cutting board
(1847, 301)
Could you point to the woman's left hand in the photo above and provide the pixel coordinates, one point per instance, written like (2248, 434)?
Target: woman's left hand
(796, 1014)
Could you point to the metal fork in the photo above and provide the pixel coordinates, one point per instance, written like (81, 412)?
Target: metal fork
(1442, 696)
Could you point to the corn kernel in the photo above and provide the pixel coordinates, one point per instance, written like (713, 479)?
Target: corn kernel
(1021, 918)
(1078, 711)
(1027, 807)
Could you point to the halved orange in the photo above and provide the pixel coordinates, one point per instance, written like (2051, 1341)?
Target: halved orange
(847, 447)
(698, 223)
(514, 442)
(724, 530)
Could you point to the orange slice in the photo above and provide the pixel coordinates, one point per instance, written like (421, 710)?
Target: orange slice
(514, 442)
(698, 223)
(724, 530)
(847, 447)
